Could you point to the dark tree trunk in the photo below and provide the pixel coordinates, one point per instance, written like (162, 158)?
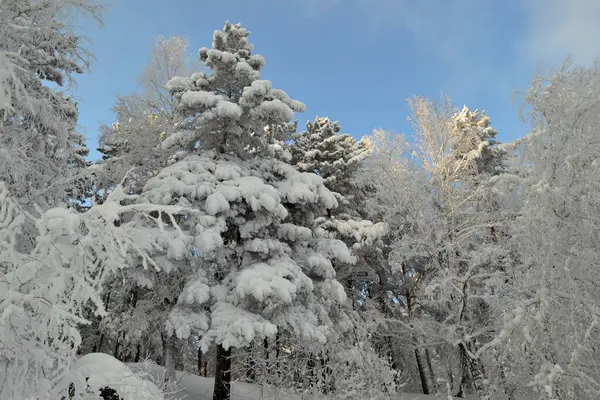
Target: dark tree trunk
(267, 364)
(138, 352)
(98, 347)
(251, 368)
(116, 351)
(169, 357)
(222, 389)
(474, 372)
(277, 349)
(311, 366)
(326, 374)
(423, 373)
(450, 374)
(465, 381)
(478, 375)
(323, 374)
(430, 369)
(200, 360)
(177, 347)
(134, 296)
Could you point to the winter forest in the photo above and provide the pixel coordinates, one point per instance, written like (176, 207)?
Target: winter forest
(221, 249)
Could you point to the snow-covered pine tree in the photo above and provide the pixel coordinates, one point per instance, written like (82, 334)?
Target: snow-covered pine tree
(259, 264)
(337, 158)
(334, 156)
(131, 149)
(474, 147)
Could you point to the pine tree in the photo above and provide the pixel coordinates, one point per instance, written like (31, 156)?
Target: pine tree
(53, 259)
(259, 263)
(337, 158)
(334, 156)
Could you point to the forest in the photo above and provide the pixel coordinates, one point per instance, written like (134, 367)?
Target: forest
(220, 238)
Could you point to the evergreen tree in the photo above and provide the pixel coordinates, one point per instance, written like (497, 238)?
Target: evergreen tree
(335, 157)
(259, 262)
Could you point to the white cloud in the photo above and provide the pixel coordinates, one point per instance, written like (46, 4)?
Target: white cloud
(558, 27)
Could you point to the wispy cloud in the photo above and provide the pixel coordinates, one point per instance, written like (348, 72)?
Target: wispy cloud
(441, 24)
(558, 27)
(538, 29)
(447, 26)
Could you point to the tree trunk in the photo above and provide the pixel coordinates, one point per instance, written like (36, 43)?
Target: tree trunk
(222, 388)
(450, 374)
(465, 380)
(251, 368)
(430, 369)
(393, 358)
(327, 385)
(138, 352)
(176, 349)
(277, 349)
(168, 358)
(116, 351)
(311, 365)
(267, 370)
(98, 348)
(323, 385)
(200, 360)
(478, 376)
(423, 373)
(473, 373)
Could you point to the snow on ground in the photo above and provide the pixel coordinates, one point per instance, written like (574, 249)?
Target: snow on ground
(99, 370)
(194, 387)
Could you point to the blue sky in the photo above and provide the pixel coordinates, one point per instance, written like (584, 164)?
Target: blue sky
(356, 61)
